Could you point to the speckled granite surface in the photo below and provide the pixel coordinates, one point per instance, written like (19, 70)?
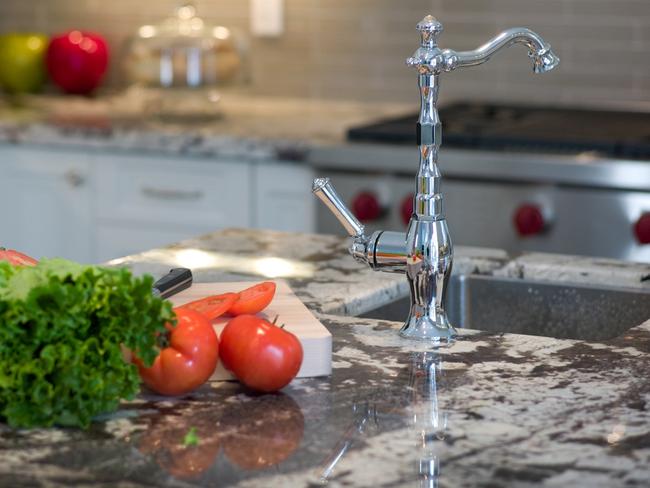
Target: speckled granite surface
(242, 125)
(490, 410)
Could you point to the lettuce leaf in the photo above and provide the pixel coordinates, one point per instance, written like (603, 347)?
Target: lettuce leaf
(62, 329)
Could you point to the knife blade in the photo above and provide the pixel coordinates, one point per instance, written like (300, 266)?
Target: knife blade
(177, 280)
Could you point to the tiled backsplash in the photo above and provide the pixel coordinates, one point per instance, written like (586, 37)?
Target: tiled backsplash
(356, 48)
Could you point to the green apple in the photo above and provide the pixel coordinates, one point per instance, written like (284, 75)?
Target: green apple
(22, 62)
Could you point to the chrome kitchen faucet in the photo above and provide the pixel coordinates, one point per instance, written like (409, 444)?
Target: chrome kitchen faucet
(425, 252)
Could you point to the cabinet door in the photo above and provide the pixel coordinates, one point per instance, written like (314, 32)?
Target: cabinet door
(283, 199)
(46, 200)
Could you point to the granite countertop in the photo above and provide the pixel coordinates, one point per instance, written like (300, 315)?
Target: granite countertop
(490, 410)
(240, 125)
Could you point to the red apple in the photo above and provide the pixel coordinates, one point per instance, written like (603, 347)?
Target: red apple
(77, 61)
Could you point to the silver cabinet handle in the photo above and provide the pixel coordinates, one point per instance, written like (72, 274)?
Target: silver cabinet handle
(74, 178)
(169, 194)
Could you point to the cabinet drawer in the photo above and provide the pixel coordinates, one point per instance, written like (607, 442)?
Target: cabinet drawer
(166, 191)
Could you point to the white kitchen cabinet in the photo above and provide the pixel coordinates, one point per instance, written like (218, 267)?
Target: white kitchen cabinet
(93, 207)
(282, 197)
(46, 201)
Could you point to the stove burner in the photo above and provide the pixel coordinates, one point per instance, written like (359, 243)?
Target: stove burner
(622, 135)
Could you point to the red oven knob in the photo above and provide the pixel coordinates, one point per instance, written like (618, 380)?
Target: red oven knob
(406, 209)
(529, 220)
(642, 229)
(366, 206)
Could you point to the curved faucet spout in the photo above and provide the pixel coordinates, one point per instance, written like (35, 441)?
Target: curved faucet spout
(544, 59)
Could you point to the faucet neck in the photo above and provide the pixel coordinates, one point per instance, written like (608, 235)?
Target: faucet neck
(427, 201)
(430, 61)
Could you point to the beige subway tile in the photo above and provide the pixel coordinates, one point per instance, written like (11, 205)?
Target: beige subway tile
(356, 48)
(609, 8)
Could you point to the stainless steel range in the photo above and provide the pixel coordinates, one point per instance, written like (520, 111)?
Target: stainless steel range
(521, 178)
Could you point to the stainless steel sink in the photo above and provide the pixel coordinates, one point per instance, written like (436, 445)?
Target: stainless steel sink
(537, 308)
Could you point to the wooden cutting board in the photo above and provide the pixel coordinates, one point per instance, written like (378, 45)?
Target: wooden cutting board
(315, 338)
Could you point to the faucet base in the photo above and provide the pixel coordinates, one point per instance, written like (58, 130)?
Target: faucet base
(433, 327)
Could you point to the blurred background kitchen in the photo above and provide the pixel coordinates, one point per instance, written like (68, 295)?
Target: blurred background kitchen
(218, 113)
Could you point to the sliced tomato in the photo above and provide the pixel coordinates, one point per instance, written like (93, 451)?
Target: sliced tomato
(253, 299)
(16, 258)
(212, 307)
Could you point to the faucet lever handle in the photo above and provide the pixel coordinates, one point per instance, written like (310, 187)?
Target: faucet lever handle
(324, 190)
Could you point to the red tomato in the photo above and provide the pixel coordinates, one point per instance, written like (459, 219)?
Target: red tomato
(261, 355)
(16, 258)
(253, 299)
(188, 361)
(212, 307)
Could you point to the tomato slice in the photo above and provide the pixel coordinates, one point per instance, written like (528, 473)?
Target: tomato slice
(16, 258)
(253, 299)
(213, 306)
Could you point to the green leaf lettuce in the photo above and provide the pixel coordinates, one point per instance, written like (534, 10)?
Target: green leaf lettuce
(62, 329)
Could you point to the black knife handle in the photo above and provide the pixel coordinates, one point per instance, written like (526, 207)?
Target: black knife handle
(177, 280)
